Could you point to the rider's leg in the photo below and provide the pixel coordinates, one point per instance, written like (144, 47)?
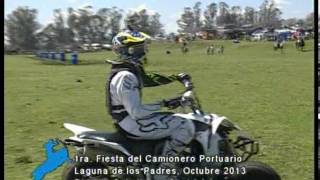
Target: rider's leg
(178, 141)
(179, 138)
(160, 125)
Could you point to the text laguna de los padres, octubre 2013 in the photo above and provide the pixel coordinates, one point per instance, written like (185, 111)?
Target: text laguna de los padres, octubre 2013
(151, 169)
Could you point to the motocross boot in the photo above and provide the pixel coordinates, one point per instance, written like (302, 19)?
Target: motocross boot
(171, 148)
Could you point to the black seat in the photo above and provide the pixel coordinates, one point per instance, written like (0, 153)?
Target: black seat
(101, 136)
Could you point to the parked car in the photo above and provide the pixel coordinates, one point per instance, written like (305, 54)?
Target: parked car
(67, 50)
(85, 47)
(96, 46)
(257, 37)
(107, 47)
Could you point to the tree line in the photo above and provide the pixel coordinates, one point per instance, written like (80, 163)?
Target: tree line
(75, 27)
(221, 14)
(84, 25)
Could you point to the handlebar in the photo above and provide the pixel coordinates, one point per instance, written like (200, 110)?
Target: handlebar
(185, 79)
(188, 85)
(189, 97)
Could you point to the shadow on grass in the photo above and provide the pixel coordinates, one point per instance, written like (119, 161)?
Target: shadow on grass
(23, 160)
(83, 62)
(67, 62)
(307, 50)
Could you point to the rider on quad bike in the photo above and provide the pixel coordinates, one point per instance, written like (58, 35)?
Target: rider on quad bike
(123, 90)
(280, 40)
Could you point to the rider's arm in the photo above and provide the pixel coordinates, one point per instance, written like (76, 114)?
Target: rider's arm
(154, 79)
(129, 95)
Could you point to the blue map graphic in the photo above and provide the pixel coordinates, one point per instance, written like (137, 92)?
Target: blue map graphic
(54, 160)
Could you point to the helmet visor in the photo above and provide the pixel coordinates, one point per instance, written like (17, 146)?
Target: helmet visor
(131, 52)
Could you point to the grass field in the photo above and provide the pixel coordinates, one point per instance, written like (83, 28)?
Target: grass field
(268, 94)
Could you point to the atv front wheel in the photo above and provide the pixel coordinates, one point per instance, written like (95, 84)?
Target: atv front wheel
(255, 171)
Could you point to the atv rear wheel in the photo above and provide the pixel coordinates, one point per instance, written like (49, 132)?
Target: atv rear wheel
(71, 171)
(255, 171)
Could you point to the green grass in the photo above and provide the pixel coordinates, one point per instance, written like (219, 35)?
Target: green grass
(268, 94)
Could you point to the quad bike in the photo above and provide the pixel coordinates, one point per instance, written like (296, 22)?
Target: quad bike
(300, 44)
(278, 45)
(215, 136)
(184, 50)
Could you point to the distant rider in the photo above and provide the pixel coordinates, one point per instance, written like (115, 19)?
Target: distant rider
(279, 41)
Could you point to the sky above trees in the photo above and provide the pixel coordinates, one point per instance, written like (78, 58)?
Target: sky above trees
(169, 10)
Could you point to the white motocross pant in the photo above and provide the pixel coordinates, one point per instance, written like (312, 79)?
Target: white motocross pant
(161, 125)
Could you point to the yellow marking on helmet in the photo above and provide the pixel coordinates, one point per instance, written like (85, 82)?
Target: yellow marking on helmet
(131, 38)
(134, 39)
(123, 34)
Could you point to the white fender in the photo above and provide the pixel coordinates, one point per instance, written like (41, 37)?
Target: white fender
(216, 122)
(80, 129)
(76, 129)
(204, 119)
(213, 119)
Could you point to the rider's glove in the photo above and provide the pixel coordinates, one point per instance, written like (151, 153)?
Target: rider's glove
(183, 76)
(172, 103)
(185, 79)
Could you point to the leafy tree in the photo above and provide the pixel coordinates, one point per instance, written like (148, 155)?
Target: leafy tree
(82, 24)
(290, 22)
(269, 14)
(256, 18)
(197, 16)
(310, 20)
(146, 22)
(110, 22)
(210, 14)
(21, 26)
(63, 34)
(235, 15)
(186, 21)
(224, 14)
(301, 22)
(115, 19)
(156, 26)
(248, 16)
(47, 39)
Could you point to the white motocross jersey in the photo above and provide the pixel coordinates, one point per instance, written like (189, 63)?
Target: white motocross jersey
(124, 90)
